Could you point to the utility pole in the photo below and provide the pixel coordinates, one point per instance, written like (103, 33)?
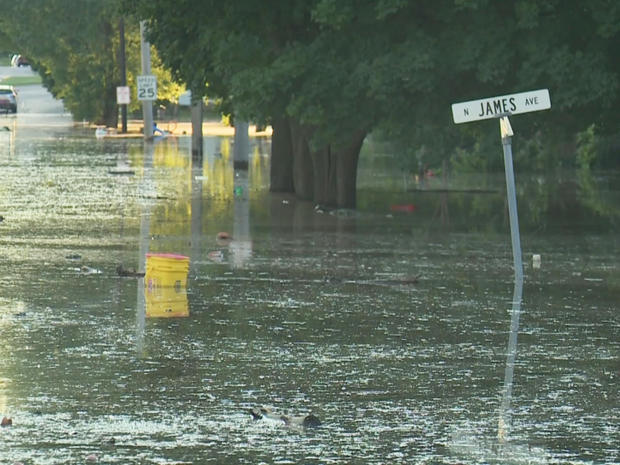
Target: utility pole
(147, 105)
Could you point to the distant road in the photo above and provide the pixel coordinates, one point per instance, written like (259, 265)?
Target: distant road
(32, 99)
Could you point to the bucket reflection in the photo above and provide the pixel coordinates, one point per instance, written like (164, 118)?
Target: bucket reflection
(166, 302)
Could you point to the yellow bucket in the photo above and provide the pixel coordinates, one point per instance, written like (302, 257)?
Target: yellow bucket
(166, 270)
(166, 302)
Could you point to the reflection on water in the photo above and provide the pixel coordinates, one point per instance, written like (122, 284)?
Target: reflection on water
(166, 302)
(303, 309)
(504, 415)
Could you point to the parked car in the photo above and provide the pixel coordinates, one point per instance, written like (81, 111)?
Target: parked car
(8, 99)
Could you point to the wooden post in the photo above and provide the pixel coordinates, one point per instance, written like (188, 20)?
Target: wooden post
(242, 145)
(196, 113)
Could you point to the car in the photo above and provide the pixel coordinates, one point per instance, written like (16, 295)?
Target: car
(8, 99)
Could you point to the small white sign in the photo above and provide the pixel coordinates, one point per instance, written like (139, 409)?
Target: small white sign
(494, 107)
(147, 87)
(123, 96)
(185, 99)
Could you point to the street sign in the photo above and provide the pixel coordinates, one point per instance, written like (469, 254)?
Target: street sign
(122, 95)
(147, 87)
(504, 105)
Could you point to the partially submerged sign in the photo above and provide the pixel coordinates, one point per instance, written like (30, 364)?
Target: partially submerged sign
(503, 105)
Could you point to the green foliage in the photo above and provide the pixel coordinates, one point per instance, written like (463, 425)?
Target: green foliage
(587, 148)
(80, 64)
(395, 66)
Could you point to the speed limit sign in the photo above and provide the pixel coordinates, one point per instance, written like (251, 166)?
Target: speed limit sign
(147, 87)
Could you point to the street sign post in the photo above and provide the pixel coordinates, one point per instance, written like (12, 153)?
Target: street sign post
(147, 87)
(501, 107)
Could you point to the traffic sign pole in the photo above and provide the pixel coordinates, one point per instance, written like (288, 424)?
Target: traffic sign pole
(147, 105)
(511, 192)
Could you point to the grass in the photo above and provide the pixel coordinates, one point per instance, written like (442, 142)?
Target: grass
(21, 80)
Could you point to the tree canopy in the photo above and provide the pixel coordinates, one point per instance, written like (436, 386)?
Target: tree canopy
(76, 50)
(335, 70)
(325, 73)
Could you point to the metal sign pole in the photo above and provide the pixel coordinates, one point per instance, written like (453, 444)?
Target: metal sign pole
(500, 107)
(507, 134)
(147, 105)
(504, 423)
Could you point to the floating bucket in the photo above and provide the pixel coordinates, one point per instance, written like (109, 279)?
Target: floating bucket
(166, 270)
(166, 302)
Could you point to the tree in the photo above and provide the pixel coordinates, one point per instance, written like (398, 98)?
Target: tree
(274, 64)
(76, 50)
(325, 73)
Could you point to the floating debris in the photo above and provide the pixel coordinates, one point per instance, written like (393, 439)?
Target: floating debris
(6, 421)
(406, 208)
(128, 272)
(216, 256)
(223, 238)
(302, 421)
(121, 171)
(87, 270)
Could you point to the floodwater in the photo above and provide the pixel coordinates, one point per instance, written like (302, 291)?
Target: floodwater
(390, 323)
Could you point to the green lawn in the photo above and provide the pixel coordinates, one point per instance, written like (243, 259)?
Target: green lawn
(21, 80)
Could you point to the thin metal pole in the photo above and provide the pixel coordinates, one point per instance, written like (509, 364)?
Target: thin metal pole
(512, 200)
(504, 419)
(123, 66)
(147, 105)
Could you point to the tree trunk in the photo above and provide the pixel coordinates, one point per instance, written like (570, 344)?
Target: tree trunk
(110, 109)
(346, 169)
(281, 169)
(335, 173)
(324, 165)
(303, 175)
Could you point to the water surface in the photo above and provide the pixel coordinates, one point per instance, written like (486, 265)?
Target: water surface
(392, 326)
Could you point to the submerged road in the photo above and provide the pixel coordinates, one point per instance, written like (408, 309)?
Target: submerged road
(32, 98)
